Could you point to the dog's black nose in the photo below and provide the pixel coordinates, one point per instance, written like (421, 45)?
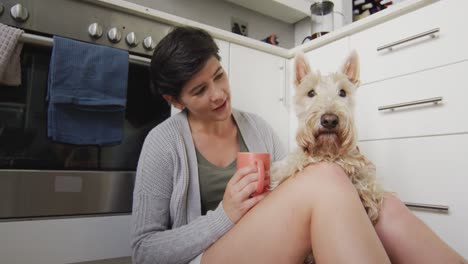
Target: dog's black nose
(329, 121)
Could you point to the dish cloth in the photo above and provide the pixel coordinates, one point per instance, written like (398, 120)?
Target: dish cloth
(10, 50)
(87, 90)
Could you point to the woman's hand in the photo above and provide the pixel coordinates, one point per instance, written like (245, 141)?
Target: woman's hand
(238, 197)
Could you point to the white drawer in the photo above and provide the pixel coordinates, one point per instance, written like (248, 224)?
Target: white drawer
(447, 117)
(449, 46)
(428, 170)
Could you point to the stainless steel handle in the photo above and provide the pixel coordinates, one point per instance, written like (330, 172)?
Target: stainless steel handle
(427, 33)
(49, 42)
(428, 207)
(418, 102)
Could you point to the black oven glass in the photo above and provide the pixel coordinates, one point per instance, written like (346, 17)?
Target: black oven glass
(23, 123)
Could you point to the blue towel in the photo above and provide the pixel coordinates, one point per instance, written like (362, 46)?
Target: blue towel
(87, 93)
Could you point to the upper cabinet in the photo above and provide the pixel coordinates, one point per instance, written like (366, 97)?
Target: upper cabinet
(290, 11)
(258, 85)
(429, 37)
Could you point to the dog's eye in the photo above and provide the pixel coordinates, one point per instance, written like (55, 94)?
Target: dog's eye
(342, 93)
(311, 93)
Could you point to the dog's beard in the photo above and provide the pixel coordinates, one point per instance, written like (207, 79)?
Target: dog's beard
(326, 143)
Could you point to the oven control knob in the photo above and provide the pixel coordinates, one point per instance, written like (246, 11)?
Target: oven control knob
(114, 35)
(148, 43)
(131, 39)
(95, 30)
(1, 9)
(19, 13)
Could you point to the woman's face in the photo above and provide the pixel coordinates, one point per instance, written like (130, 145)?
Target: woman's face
(206, 95)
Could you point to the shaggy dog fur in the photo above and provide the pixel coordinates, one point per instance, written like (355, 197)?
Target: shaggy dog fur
(326, 133)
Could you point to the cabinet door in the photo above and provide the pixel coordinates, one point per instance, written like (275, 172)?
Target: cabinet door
(258, 86)
(447, 46)
(427, 170)
(327, 59)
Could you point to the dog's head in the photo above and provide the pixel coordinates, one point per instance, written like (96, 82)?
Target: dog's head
(324, 107)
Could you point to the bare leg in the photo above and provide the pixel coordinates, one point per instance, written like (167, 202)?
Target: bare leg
(407, 239)
(318, 207)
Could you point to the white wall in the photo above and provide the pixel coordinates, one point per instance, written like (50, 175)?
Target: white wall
(218, 13)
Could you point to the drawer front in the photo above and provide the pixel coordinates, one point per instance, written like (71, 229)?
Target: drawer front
(428, 170)
(446, 117)
(448, 46)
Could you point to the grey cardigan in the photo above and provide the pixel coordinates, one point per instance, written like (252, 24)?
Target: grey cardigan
(167, 225)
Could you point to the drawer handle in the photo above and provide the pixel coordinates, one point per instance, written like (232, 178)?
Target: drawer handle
(391, 45)
(428, 207)
(434, 100)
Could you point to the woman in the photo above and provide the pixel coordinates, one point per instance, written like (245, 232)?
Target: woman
(191, 205)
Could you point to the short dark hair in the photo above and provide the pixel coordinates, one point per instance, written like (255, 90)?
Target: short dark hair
(178, 56)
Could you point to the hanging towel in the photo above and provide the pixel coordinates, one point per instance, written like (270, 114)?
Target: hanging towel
(10, 50)
(87, 90)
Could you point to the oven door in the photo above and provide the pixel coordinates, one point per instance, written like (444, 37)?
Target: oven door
(43, 178)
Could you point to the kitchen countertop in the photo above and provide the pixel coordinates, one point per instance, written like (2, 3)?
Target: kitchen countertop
(367, 22)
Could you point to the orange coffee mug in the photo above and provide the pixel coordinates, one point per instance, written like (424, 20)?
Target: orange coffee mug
(259, 159)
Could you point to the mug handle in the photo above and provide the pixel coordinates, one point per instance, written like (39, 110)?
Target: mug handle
(261, 175)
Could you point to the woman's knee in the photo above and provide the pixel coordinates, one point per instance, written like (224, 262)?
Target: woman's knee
(324, 174)
(392, 215)
(324, 179)
(393, 207)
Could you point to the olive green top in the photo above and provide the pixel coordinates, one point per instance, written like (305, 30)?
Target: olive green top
(213, 179)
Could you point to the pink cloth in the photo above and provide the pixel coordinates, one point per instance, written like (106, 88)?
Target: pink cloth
(10, 50)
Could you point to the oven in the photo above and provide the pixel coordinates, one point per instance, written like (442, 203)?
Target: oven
(43, 178)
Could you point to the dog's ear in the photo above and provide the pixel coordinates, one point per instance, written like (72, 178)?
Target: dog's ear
(351, 68)
(301, 67)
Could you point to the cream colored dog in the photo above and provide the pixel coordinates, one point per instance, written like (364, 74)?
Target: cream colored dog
(326, 133)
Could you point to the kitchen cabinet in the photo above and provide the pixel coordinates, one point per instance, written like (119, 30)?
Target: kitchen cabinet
(258, 85)
(326, 59)
(419, 149)
(286, 11)
(447, 116)
(431, 171)
(446, 46)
